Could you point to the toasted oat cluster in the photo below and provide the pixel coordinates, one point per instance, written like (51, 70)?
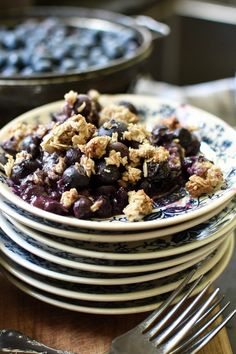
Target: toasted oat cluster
(92, 161)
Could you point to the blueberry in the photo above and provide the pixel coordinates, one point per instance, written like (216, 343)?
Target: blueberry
(10, 145)
(15, 59)
(80, 52)
(157, 172)
(9, 71)
(82, 207)
(30, 191)
(75, 177)
(72, 156)
(184, 136)
(83, 100)
(31, 144)
(106, 190)
(105, 208)
(11, 40)
(27, 71)
(107, 174)
(161, 134)
(68, 64)
(119, 201)
(119, 147)
(111, 127)
(48, 204)
(23, 169)
(43, 66)
(194, 147)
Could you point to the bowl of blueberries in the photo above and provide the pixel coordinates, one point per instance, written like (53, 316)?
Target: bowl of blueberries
(45, 51)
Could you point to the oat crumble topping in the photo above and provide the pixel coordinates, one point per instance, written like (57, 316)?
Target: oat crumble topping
(115, 158)
(118, 113)
(132, 174)
(96, 147)
(72, 132)
(69, 197)
(88, 164)
(71, 97)
(140, 204)
(198, 185)
(136, 132)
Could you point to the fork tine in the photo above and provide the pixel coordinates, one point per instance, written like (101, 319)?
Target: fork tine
(182, 332)
(195, 347)
(201, 330)
(211, 308)
(157, 327)
(154, 315)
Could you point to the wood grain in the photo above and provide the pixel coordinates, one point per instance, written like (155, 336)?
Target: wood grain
(66, 330)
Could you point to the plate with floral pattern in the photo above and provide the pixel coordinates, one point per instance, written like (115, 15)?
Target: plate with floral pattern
(116, 293)
(52, 270)
(117, 308)
(70, 232)
(218, 143)
(173, 244)
(120, 268)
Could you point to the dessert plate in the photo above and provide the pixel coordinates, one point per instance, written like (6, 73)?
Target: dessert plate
(218, 143)
(174, 244)
(92, 264)
(73, 233)
(46, 268)
(122, 306)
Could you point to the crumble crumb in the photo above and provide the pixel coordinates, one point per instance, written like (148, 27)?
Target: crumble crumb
(136, 132)
(71, 97)
(9, 165)
(171, 122)
(139, 205)
(115, 158)
(72, 132)
(96, 147)
(88, 164)
(148, 152)
(94, 95)
(118, 113)
(198, 185)
(69, 197)
(96, 205)
(132, 174)
(60, 166)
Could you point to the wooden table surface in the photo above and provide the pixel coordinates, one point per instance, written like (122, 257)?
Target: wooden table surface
(73, 331)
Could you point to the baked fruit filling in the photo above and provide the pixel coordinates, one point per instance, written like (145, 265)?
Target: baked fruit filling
(91, 161)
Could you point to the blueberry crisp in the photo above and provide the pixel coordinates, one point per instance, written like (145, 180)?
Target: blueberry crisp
(93, 161)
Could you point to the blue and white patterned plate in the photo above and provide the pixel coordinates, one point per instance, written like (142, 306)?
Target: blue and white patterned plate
(49, 269)
(92, 264)
(173, 244)
(70, 232)
(117, 308)
(117, 292)
(218, 144)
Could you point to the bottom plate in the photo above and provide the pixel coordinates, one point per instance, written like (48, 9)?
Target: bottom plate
(111, 308)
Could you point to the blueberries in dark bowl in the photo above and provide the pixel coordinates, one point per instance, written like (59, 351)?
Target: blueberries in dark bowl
(52, 46)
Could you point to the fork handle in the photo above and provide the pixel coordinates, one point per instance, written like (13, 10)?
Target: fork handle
(13, 340)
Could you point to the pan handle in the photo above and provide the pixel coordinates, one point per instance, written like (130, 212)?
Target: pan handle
(157, 28)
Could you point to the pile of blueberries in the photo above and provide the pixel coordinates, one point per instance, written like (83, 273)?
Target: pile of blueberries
(103, 186)
(50, 46)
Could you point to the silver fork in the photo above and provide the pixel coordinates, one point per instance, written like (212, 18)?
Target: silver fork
(164, 331)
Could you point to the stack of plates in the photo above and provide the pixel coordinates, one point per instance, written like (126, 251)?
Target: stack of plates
(115, 266)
